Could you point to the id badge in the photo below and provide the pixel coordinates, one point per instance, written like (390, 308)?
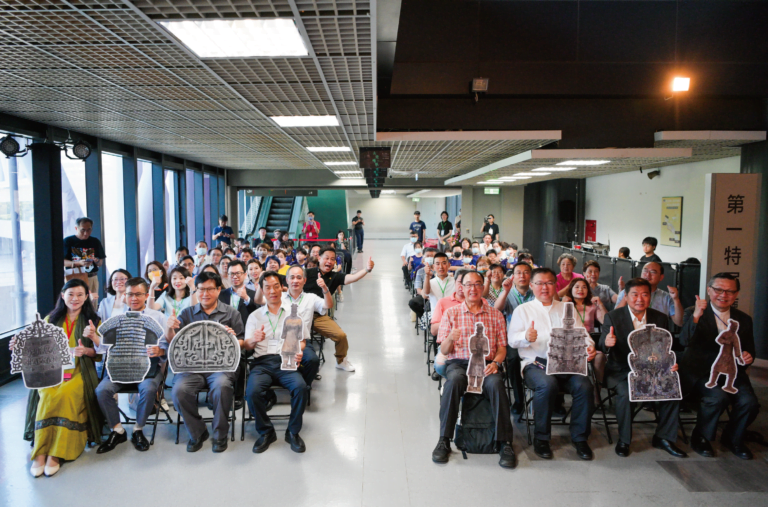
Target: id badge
(272, 346)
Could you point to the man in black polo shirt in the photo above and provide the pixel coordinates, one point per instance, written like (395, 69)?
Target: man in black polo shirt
(323, 324)
(358, 223)
(84, 251)
(491, 228)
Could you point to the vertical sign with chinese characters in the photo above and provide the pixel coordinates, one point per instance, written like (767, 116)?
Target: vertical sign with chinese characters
(731, 211)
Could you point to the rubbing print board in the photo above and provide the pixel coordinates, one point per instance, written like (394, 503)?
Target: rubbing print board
(650, 359)
(40, 353)
(127, 336)
(203, 347)
(293, 328)
(479, 347)
(727, 358)
(567, 347)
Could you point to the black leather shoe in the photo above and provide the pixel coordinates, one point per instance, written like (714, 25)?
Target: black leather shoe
(271, 400)
(297, 443)
(435, 376)
(670, 447)
(622, 449)
(701, 446)
(262, 443)
(739, 450)
(219, 445)
(559, 412)
(113, 441)
(583, 450)
(442, 451)
(238, 404)
(541, 448)
(139, 441)
(196, 445)
(507, 457)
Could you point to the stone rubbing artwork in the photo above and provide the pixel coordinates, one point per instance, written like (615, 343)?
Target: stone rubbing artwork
(650, 359)
(567, 347)
(204, 347)
(293, 328)
(479, 347)
(40, 353)
(730, 354)
(128, 335)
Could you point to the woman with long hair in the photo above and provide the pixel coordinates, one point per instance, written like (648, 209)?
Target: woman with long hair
(588, 307)
(157, 278)
(179, 295)
(62, 419)
(224, 268)
(114, 301)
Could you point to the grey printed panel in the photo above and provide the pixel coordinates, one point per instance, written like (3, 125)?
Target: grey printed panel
(40, 352)
(203, 347)
(651, 358)
(128, 336)
(567, 348)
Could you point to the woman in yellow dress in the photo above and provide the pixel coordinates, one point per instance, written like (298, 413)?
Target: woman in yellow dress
(62, 419)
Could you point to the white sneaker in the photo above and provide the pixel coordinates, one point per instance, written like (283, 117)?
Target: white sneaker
(345, 365)
(339, 297)
(413, 316)
(164, 404)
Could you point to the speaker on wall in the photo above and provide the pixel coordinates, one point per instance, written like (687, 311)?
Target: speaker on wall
(567, 211)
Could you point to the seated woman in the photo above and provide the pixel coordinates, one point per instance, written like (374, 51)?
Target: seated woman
(157, 278)
(114, 302)
(493, 281)
(282, 258)
(62, 419)
(179, 295)
(224, 268)
(415, 261)
(588, 307)
(566, 262)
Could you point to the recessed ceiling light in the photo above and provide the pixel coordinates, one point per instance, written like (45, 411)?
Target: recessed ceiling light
(239, 38)
(328, 148)
(306, 121)
(584, 162)
(522, 175)
(681, 84)
(340, 163)
(388, 192)
(350, 176)
(553, 169)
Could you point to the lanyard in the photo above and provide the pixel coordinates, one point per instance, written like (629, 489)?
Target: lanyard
(579, 314)
(69, 327)
(274, 327)
(176, 305)
(495, 292)
(298, 302)
(442, 288)
(520, 299)
(721, 320)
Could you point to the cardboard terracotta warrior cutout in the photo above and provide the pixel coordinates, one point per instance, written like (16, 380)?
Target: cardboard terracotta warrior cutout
(567, 347)
(128, 335)
(204, 347)
(479, 347)
(651, 359)
(41, 354)
(729, 356)
(293, 328)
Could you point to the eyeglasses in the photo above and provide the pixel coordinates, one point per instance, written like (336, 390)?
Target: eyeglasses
(135, 294)
(238, 273)
(207, 290)
(541, 284)
(719, 291)
(473, 285)
(119, 280)
(650, 272)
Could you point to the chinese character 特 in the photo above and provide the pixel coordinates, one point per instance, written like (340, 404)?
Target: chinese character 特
(735, 204)
(732, 254)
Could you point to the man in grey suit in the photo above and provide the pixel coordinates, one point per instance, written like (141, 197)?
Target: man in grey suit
(613, 342)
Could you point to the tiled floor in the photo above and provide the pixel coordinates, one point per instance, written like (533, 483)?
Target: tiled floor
(369, 438)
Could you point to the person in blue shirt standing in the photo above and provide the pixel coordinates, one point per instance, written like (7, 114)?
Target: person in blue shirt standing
(223, 233)
(418, 226)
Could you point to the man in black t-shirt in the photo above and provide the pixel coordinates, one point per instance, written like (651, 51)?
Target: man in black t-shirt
(323, 324)
(357, 224)
(649, 248)
(444, 231)
(491, 228)
(84, 251)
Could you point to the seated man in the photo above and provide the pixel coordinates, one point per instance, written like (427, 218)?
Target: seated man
(665, 301)
(407, 252)
(456, 328)
(456, 262)
(417, 302)
(616, 327)
(187, 386)
(136, 291)
(701, 325)
(442, 284)
(529, 333)
(437, 316)
(238, 296)
(263, 334)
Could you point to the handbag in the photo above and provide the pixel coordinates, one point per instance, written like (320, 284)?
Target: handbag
(76, 273)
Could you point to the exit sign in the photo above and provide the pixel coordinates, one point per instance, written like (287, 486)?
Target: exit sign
(491, 191)
(416, 199)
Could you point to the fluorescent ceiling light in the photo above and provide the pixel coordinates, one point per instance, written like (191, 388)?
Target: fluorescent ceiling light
(356, 173)
(328, 148)
(553, 169)
(340, 163)
(491, 182)
(358, 177)
(681, 84)
(239, 38)
(584, 162)
(306, 121)
(523, 175)
(388, 192)
(508, 178)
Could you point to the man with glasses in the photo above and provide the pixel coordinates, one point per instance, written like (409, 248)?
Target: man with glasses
(667, 303)
(703, 322)
(529, 333)
(237, 295)
(456, 328)
(136, 293)
(221, 385)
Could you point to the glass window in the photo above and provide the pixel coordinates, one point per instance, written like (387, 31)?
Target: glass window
(222, 207)
(72, 192)
(146, 214)
(17, 242)
(171, 214)
(113, 205)
(207, 208)
(191, 230)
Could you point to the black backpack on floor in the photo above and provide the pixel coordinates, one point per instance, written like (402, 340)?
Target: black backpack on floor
(475, 431)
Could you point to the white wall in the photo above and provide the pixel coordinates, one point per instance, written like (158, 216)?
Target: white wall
(506, 207)
(627, 206)
(388, 217)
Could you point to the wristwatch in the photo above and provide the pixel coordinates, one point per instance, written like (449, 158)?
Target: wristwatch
(498, 364)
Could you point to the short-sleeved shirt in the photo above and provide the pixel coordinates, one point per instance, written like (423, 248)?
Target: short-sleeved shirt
(660, 300)
(168, 304)
(561, 283)
(460, 317)
(76, 249)
(492, 229)
(418, 228)
(273, 328)
(650, 258)
(308, 306)
(311, 230)
(357, 222)
(515, 299)
(442, 306)
(419, 281)
(444, 228)
(226, 230)
(408, 251)
(224, 314)
(605, 293)
(332, 279)
(440, 289)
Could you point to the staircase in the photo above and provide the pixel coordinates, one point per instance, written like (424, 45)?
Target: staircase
(280, 214)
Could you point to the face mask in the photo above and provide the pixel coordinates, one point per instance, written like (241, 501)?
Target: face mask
(475, 250)
(413, 240)
(430, 260)
(482, 270)
(231, 256)
(466, 260)
(510, 254)
(418, 250)
(503, 255)
(201, 251)
(457, 255)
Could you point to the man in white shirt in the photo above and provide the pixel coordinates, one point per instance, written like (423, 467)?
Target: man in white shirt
(442, 284)
(408, 251)
(529, 332)
(486, 244)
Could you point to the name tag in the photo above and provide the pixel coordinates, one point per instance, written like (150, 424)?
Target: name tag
(272, 346)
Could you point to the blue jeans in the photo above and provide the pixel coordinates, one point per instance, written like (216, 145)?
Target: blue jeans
(359, 238)
(265, 372)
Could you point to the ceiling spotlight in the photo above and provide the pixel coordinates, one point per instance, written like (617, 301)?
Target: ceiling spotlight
(584, 162)
(653, 174)
(328, 148)
(10, 147)
(81, 150)
(681, 84)
(553, 169)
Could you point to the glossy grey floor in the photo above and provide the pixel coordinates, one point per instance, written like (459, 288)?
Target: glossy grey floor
(369, 438)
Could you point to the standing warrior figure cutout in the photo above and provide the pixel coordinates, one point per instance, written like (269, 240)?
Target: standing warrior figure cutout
(479, 347)
(730, 354)
(291, 339)
(567, 347)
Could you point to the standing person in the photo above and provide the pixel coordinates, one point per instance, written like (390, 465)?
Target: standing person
(616, 329)
(222, 232)
(136, 295)
(261, 238)
(311, 228)
(649, 248)
(703, 323)
(62, 419)
(357, 225)
(187, 386)
(444, 232)
(491, 228)
(85, 251)
(456, 328)
(323, 324)
(566, 262)
(418, 226)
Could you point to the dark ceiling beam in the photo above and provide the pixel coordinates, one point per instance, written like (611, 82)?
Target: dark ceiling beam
(314, 178)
